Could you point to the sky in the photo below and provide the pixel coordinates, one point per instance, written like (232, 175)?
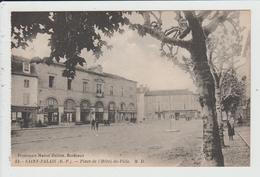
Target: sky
(133, 57)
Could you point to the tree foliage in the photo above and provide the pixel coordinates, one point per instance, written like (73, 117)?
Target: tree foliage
(233, 90)
(224, 48)
(221, 30)
(70, 32)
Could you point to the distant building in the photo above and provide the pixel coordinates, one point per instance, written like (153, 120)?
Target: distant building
(141, 103)
(62, 101)
(162, 104)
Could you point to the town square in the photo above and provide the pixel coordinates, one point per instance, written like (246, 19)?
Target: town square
(137, 88)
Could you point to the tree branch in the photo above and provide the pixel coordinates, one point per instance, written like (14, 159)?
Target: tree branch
(213, 25)
(158, 34)
(204, 14)
(213, 69)
(195, 26)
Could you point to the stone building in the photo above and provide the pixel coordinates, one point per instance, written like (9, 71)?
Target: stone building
(63, 101)
(141, 102)
(24, 88)
(162, 104)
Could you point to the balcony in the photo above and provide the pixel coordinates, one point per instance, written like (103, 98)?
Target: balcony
(100, 95)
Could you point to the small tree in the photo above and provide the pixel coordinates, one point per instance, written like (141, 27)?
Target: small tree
(224, 47)
(232, 91)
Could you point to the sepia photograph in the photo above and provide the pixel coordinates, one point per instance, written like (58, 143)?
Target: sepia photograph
(160, 88)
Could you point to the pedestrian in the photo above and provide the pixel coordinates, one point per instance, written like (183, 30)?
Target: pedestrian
(92, 119)
(96, 125)
(231, 127)
(106, 118)
(240, 119)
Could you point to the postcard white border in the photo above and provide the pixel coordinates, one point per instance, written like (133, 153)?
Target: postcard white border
(5, 82)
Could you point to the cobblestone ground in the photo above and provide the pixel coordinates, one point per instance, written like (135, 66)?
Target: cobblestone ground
(149, 141)
(237, 152)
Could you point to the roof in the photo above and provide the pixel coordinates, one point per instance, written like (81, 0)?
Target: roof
(169, 92)
(113, 76)
(17, 67)
(117, 77)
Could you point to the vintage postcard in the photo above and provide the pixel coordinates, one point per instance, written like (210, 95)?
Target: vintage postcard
(136, 88)
(130, 88)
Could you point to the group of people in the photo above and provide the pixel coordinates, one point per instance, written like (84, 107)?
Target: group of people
(95, 123)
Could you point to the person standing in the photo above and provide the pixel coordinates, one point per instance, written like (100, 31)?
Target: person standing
(231, 127)
(96, 122)
(92, 120)
(106, 118)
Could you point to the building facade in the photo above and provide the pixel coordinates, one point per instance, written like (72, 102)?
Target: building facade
(62, 101)
(163, 104)
(24, 88)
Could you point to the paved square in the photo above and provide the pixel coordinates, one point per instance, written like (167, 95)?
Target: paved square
(149, 141)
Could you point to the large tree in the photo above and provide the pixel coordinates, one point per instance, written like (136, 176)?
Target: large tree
(190, 30)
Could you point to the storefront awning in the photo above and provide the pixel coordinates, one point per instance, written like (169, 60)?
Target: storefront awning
(23, 109)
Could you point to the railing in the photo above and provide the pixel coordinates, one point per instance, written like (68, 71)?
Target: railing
(100, 95)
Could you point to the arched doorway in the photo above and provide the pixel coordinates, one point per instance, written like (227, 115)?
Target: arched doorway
(51, 111)
(85, 111)
(99, 107)
(69, 111)
(132, 112)
(111, 112)
(122, 112)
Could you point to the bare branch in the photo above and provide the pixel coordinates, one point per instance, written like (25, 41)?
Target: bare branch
(186, 65)
(158, 34)
(204, 14)
(171, 30)
(212, 26)
(146, 17)
(158, 19)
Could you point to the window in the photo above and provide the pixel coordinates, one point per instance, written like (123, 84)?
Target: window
(19, 115)
(111, 90)
(26, 67)
(99, 88)
(85, 87)
(13, 116)
(51, 81)
(122, 106)
(51, 102)
(26, 83)
(69, 84)
(26, 98)
(122, 91)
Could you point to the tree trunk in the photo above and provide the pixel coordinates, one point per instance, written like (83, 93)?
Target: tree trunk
(219, 115)
(212, 150)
